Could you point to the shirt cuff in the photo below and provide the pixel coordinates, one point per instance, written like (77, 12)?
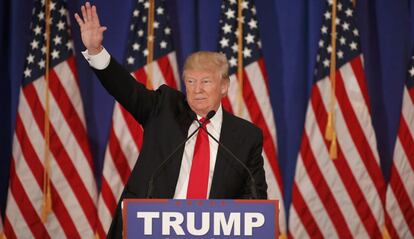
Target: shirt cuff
(99, 61)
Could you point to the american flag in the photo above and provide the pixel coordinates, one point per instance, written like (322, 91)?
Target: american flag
(343, 196)
(72, 182)
(400, 201)
(125, 137)
(248, 95)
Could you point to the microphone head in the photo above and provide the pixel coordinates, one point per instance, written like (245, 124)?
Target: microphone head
(210, 114)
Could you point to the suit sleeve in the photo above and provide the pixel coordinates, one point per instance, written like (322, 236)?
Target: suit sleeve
(131, 94)
(255, 164)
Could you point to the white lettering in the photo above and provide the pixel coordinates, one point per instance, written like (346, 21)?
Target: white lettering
(172, 220)
(227, 226)
(251, 220)
(148, 216)
(205, 224)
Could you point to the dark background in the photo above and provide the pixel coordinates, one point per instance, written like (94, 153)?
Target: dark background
(289, 31)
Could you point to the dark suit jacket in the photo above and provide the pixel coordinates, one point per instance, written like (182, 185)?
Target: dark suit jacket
(164, 116)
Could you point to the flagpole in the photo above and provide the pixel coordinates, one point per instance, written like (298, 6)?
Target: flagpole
(150, 44)
(330, 132)
(47, 197)
(240, 55)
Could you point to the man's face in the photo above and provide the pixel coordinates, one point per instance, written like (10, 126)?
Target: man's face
(204, 90)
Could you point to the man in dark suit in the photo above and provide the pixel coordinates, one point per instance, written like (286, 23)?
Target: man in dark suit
(200, 169)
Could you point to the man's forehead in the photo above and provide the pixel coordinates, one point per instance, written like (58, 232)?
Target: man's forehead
(200, 74)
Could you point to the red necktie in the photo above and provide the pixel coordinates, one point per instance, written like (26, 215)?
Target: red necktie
(200, 167)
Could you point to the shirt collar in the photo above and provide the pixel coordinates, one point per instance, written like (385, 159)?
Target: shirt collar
(217, 119)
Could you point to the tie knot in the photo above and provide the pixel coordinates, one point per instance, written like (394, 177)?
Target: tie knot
(202, 120)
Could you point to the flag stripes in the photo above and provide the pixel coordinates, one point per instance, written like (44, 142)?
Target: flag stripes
(344, 198)
(71, 171)
(251, 100)
(400, 191)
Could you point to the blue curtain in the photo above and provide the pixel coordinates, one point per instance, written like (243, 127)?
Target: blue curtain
(289, 31)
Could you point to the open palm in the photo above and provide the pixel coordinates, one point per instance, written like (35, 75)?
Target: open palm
(91, 29)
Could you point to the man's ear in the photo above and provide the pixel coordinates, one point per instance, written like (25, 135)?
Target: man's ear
(225, 87)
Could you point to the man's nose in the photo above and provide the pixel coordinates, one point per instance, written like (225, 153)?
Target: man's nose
(198, 87)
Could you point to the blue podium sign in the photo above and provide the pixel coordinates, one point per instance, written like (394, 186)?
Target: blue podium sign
(175, 219)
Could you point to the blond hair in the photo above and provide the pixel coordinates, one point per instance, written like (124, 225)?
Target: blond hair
(208, 61)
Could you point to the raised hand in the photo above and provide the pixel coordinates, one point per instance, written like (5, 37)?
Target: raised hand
(91, 29)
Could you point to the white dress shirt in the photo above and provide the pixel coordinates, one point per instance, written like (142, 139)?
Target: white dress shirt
(101, 60)
(214, 128)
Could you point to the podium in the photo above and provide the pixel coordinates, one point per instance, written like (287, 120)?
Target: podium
(216, 218)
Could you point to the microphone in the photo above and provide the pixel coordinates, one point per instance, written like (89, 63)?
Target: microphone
(253, 188)
(169, 157)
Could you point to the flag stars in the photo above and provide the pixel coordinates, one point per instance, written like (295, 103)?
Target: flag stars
(163, 44)
(230, 14)
(252, 24)
(340, 54)
(339, 6)
(57, 40)
(140, 33)
(55, 54)
(224, 42)
(135, 46)
(145, 52)
(232, 2)
(146, 4)
(324, 30)
(61, 25)
(30, 59)
(41, 16)
(27, 72)
(235, 47)
(411, 71)
(34, 44)
(342, 40)
(247, 52)
(167, 31)
(327, 15)
(130, 60)
(69, 45)
(345, 26)
(160, 11)
(135, 13)
(62, 11)
(226, 28)
(233, 61)
(52, 6)
(326, 63)
(355, 31)
(156, 24)
(353, 46)
(37, 30)
(245, 5)
(249, 38)
(41, 64)
(329, 49)
(321, 43)
(337, 21)
(144, 19)
(349, 12)
(43, 50)
(254, 10)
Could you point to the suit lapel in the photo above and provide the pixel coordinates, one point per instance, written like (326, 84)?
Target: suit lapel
(228, 137)
(184, 121)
